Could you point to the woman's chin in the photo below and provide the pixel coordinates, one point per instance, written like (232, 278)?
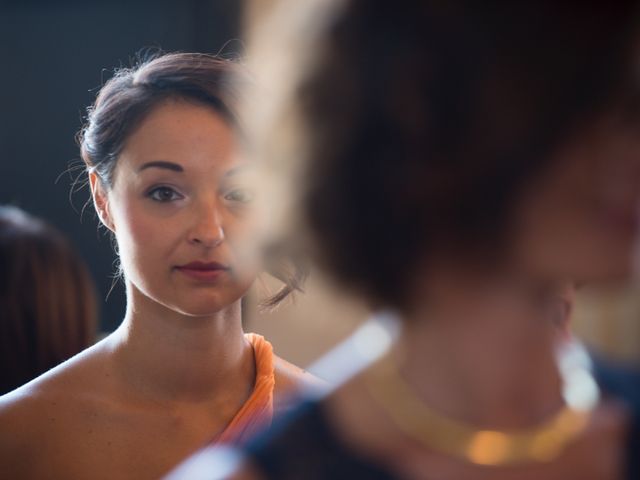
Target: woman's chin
(201, 310)
(208, 305)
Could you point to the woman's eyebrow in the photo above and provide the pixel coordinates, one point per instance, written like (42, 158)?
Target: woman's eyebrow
(239, 169)
(162, 164)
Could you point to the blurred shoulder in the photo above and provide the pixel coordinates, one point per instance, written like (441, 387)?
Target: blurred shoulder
(228, 463)
(618, 380)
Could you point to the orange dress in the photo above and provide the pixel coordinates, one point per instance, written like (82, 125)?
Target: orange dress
(257, 412)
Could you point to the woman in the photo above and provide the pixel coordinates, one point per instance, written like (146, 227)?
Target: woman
(179, 373)
(461, 158)
(47, 299)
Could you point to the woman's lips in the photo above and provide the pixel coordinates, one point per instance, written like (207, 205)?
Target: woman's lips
(203, 271)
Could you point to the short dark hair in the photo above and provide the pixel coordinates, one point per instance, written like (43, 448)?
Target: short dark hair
(132, 93)
(47, 299)
(425, 119)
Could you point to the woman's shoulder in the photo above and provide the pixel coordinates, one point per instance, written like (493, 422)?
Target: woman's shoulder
(289, 380)
(77, 372)
(28, 416)
(21, 417)
(292, 382)
(289, 376)
(39, 400)
(45, 411)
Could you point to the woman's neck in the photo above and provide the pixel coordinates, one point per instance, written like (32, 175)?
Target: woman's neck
(487, 360)
(169, 356)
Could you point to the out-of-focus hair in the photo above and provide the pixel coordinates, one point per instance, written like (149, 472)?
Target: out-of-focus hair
(423, 121)
(47, 299)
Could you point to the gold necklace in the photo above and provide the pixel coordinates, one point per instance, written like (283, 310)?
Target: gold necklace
(437, 432)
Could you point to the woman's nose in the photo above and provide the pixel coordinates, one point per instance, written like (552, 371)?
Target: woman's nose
(207, 229)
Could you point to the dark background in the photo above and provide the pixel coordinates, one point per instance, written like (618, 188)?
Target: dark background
(54, 57)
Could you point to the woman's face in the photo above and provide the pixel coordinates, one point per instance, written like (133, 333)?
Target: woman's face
(580, 219)
(181, 210)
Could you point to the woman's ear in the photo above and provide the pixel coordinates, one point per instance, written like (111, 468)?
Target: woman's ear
(101, 201)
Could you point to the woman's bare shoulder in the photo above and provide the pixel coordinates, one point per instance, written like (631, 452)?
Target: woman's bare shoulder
(26, 416)
(27, 407)
(18, 412)
(290, 376)
(41, 412)
(17, 408)
(293, 382)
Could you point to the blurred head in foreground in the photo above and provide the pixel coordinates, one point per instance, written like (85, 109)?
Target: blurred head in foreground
(430, 135)
(47, 299)
(443, 155)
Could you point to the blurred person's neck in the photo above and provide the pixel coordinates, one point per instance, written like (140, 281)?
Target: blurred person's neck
(175, 357)
(477, 354)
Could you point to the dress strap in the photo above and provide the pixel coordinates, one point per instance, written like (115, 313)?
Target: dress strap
(257, 412)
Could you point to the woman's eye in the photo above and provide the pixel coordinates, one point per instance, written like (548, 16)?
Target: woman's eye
(239, 195)
(164, 194)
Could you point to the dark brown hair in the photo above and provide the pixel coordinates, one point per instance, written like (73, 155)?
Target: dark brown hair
(125, 100)
(425, 120)
(47, 299)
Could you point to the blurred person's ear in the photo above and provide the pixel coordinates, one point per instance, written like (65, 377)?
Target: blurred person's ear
(562, 309)
(100, 201)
